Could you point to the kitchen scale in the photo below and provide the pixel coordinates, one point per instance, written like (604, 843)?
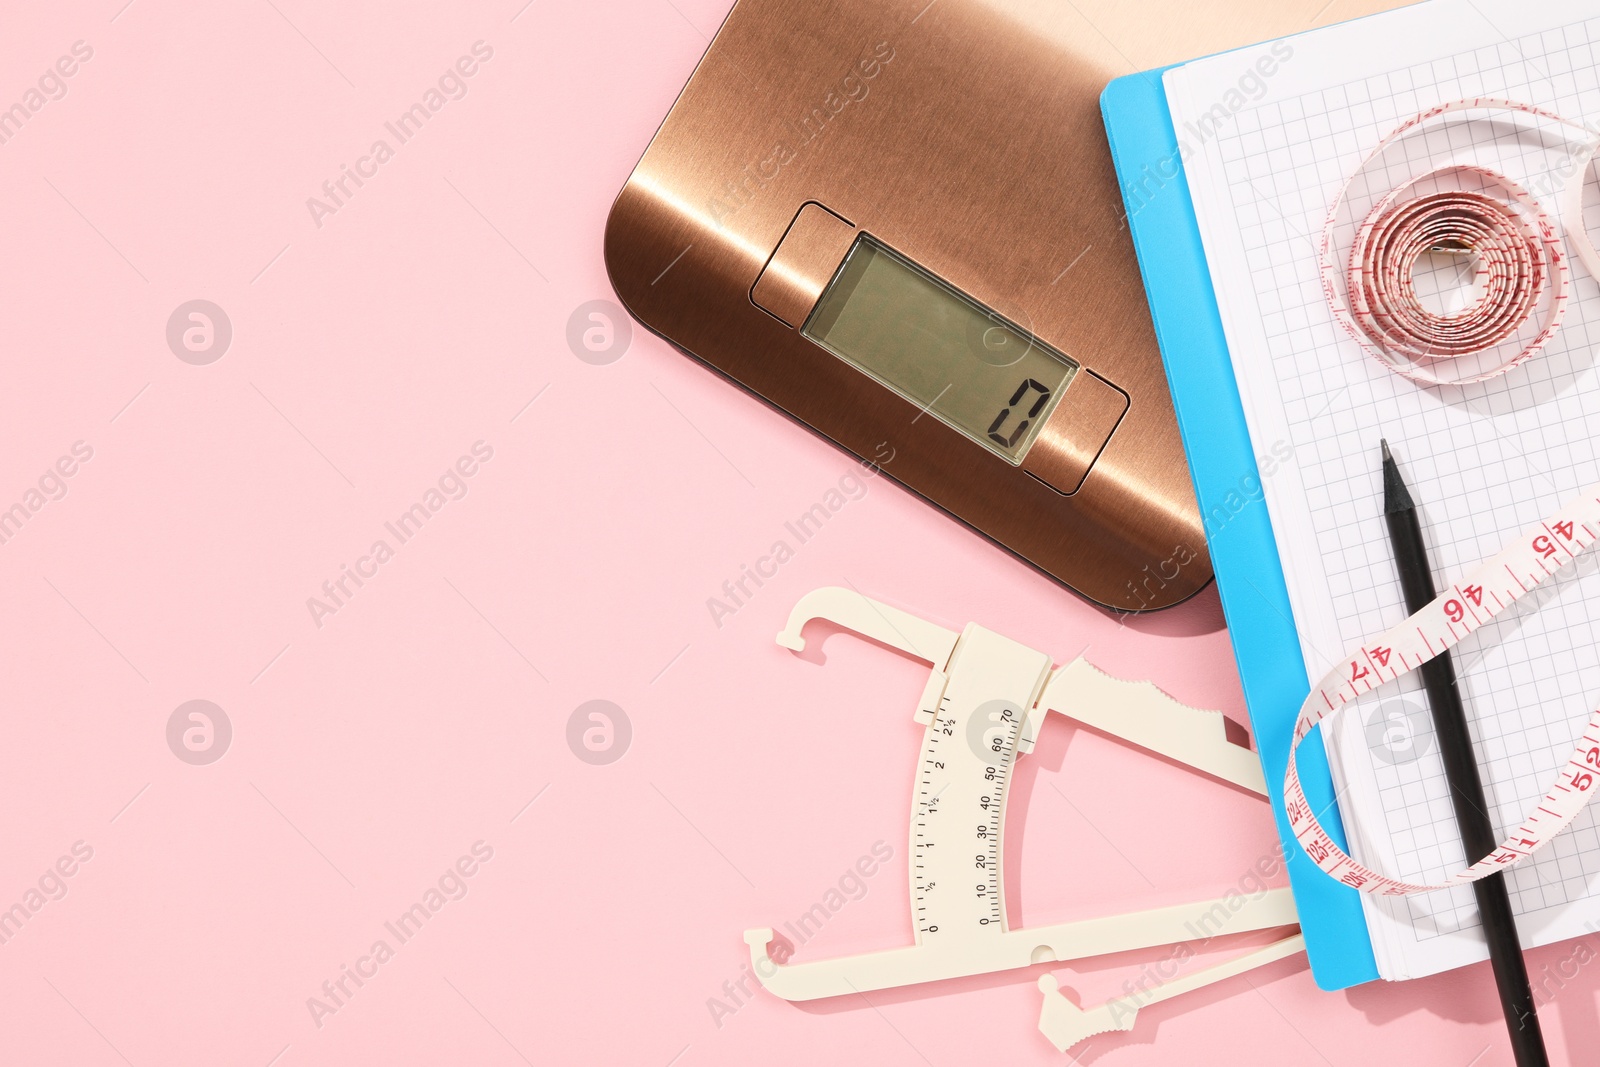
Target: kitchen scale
(897, 221)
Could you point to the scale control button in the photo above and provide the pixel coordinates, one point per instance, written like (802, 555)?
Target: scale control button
(1077, 432)
(802, 265)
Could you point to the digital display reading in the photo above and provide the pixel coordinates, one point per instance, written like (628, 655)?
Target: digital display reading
(945, 353)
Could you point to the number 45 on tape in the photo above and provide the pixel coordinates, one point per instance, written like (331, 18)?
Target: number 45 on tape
(982, 707)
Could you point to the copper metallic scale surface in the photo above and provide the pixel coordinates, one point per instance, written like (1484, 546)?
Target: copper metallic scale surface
(966, 137)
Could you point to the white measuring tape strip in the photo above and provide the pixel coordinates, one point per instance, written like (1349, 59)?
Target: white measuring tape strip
(1490, 589)
(1520, 259)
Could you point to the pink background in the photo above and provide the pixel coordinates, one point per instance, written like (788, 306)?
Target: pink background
(373, 751)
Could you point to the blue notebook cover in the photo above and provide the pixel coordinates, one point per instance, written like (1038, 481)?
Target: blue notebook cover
(1227, 482)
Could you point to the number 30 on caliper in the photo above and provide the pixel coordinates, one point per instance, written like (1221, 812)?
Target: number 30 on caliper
(982, 707)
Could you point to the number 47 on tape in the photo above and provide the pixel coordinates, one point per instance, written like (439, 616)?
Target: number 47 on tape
(982, 708)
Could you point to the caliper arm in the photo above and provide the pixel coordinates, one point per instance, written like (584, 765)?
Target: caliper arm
(847, 608)
(1143, 715)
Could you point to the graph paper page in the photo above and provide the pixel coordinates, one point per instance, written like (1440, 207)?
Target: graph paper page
(1270, 134)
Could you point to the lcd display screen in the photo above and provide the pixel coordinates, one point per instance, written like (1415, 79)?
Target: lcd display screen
(947, 354)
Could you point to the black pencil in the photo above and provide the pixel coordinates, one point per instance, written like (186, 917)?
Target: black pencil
(1461, 772)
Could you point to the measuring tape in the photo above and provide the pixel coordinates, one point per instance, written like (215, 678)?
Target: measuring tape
(1521, 263)
(1522, 268)
(1490, 589)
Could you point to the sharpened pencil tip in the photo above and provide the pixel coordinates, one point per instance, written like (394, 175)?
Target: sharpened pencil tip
(1396, 497)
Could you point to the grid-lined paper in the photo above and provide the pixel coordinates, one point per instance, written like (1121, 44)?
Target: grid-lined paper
(1483, 461)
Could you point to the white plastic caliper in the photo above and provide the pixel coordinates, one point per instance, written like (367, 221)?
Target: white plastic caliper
(983, 706)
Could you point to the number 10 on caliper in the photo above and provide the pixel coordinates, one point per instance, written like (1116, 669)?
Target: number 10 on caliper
(982, 708)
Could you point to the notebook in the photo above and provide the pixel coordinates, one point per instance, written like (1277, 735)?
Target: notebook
(1268, 136)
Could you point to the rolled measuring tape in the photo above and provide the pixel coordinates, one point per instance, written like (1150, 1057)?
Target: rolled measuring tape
(1489, 590)
(1521, 265)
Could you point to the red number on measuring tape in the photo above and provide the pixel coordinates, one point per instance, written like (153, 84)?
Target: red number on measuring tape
(1581, 781)
(1544, 546)
(1564, 529)
(1381, 654)
(1474, 593)
(1357, 672)
(1454, 609)
(1317, 851)
(1592, 757)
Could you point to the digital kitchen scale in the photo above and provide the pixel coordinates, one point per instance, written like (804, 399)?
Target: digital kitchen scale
(898, 222)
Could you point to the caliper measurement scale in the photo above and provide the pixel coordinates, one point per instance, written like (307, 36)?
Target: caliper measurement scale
(968, 754)
(984, 702)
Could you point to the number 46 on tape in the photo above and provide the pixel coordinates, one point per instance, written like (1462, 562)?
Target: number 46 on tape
(982, 708)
